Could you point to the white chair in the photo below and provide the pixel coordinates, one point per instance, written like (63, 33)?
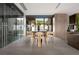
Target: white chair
(43, 40)
(50, 39)
(36, 40)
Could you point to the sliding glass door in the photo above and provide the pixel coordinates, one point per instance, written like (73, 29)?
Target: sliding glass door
(1, 32)
(8, 23)
(43, 24)
(39, 24)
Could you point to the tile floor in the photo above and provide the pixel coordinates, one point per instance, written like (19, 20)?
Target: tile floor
(22, 47)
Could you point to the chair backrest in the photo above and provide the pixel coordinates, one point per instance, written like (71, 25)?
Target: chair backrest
(39, 36)
(49, 34)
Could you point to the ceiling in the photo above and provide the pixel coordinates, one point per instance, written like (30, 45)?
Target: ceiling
(51, 8)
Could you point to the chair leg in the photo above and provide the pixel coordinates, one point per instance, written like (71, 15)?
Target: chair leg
(32, 42)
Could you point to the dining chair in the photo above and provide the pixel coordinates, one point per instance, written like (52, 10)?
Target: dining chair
(40, 39)
(49, 38)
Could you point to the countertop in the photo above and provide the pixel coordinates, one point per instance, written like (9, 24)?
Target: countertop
(76, 33)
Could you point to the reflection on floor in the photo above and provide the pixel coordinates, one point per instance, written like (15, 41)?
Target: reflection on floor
(22, 47)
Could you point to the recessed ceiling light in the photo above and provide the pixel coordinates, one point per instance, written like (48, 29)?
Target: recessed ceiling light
(23, 6)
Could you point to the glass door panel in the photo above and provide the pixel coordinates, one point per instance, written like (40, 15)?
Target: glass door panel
(1, 30)
(8, 19)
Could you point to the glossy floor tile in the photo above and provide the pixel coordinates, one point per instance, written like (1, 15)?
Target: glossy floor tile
(22, 47)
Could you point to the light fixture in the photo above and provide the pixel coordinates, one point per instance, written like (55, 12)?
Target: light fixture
(23, 6)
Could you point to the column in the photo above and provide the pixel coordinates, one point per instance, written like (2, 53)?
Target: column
(61, 26)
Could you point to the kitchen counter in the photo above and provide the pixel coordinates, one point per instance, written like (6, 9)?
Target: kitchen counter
(73, 39)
